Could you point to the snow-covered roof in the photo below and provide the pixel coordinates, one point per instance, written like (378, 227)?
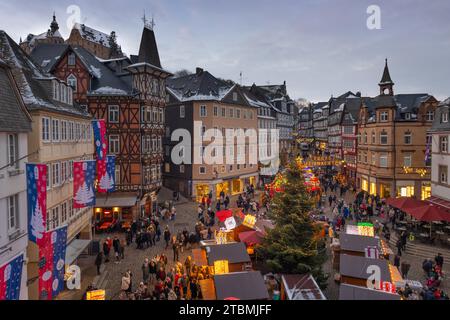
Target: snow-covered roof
(109, 91)
(93, 35)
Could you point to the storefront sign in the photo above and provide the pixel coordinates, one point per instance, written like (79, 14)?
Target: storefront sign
(96, 295)
(249, 221)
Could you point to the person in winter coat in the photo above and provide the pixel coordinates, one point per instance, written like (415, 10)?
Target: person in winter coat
(126, 282)
(167, 236)
(397, 261)
(404, 268)
(98, 261)
(116, 246)
(145, 271)
(106, 251)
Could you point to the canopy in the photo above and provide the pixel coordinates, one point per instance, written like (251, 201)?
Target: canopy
(224, 215)
(429, 213)
(251, 237)
(405, 203)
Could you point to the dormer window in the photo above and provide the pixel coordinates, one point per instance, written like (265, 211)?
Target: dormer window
(71, 61)
(429, 116)
(235, 96)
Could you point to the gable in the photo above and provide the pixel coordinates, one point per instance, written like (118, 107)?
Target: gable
(235, 91)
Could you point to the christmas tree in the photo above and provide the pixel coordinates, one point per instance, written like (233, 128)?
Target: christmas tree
(105, 182)
(292, 246)
(84, 195)
(37, 222)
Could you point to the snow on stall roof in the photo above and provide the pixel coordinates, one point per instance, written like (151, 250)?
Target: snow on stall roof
(93, 35)
(109, 91)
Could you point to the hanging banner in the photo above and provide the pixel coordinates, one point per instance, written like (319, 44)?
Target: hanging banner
(99, 127)
(83, 184)
(10, 279)
(52, 253)
(37, 200)
(106, 175)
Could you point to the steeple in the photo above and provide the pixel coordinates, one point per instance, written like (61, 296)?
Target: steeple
(54, 25)
(386, 84)
(148, 51)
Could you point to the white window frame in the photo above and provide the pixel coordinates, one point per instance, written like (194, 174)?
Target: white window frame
(113, 112)
(384, 116)
(13, 213)
(72, 81)
(56, 174)
(55, 130)
(45, 130)
(203, 111)
(113, 142)
(13, 150)
(71, 59)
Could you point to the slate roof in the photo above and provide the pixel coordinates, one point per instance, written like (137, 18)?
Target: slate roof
(105, 79)
(386, 79)
(444, 106)
(148, 51)
(198, 86)
(356, 267)
(241, 285)
(92, 35)
(233, 252)
(350, 292)
(13, 115)
(32, 81)
(357, 243)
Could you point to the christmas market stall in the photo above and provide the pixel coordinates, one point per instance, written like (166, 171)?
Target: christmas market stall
(300, 287)
(351, 292)
(235, 286)
(356, 271)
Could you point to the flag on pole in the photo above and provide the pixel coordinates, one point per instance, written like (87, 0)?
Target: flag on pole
(52, 256)
(99, 127)
(83, 184)
(107, 180)
(11, 278)
(37, 200)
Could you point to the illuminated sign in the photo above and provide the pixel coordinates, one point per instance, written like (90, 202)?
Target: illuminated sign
(249, 221)
(366, 229)
(221, 267)
(96, 295)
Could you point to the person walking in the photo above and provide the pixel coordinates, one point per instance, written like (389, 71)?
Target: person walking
(397, 261)
(106, 251)
(399, 246)
(145, 271)
(439, 259)
(116, 246)
(175, 248)
(98, 261)
(404, 268)
(166, 236)
(126, 282)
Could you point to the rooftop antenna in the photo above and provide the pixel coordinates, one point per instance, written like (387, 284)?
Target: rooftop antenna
(149, 24)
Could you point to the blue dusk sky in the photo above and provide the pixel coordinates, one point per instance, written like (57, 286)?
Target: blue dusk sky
(320, 47)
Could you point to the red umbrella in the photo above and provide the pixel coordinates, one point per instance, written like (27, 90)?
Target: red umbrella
(224, 215)
(429, 213)
(251, 237)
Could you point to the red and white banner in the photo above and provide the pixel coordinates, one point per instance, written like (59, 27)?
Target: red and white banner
(83, 184)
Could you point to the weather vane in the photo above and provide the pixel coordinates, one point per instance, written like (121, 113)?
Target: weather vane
(148, 24)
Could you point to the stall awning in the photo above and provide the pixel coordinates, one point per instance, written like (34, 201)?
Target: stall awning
(117, 200)
(439, 202)
(74, 249)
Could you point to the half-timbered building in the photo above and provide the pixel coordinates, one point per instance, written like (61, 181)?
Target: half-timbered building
(129, 94)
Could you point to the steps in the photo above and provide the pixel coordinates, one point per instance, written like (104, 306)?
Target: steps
(417, 249)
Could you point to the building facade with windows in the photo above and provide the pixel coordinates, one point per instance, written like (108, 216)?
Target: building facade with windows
(198, 103)
(393, 141)
(129, 94)
(15, 125)
(61, 134)
(440, 172)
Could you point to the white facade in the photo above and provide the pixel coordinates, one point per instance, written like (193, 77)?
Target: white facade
(13, 206)
(440, 161)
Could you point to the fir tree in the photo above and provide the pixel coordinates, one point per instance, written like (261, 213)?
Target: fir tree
(114, 47)
(293, 247)
(37, 222)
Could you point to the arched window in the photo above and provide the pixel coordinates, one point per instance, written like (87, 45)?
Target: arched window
(72, 81)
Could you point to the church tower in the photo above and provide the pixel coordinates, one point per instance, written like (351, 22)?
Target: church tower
(386, 84)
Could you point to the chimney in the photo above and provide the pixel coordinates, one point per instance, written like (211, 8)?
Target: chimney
(198, 71)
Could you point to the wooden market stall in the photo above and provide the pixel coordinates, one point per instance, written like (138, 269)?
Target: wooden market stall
(235, 254)
(355, 270)
(351, 292)
(241, 286)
